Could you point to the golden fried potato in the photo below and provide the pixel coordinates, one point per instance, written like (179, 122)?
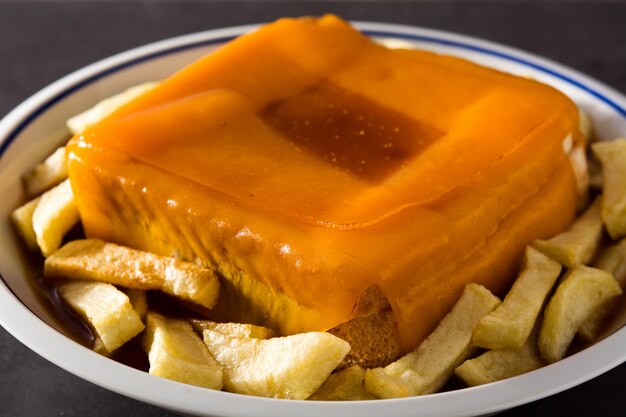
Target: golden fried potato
(105, 308)
(344, 385)
(282, 367)
(106, 107)
(138, 299)
(176, 352)
(47, 174)
(579, 243)
(510, 324)
(98, 347)
(612, 156)
(584, 125)
(54, 216)
(93, 259)
(613, 261)
(428, 367)
(233, 329)
(497, 364)
(582, 290)
(22, 218)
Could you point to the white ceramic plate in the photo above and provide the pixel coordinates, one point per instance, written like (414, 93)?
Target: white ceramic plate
(36, 127)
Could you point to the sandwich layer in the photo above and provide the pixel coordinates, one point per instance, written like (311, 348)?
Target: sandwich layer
(306, 164)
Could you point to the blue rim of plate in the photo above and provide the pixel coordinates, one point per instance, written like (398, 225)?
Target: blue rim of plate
(374, 33)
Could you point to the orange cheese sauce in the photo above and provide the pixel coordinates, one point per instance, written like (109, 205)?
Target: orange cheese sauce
(321, 163)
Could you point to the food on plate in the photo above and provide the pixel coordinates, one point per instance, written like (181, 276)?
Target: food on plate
(281, 367)
(22, 218)
(93, 259)
(428, 367)
(176, 352)
(582, 290)
(497, 364)
(585, 125)
(105, 308)
(47, 174)
(54, 216)
(611, 155)
(233, 329)
(579, 243)
(510, 324)
(106, 107)
(138, 299)
(612, 260)
(316, 215)
(344, 385)
(286, 175)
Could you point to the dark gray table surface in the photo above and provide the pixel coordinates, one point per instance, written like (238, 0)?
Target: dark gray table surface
(41, 41)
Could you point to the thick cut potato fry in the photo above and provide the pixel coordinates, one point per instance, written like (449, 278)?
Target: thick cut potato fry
(584, 125)
(345, 385)
(497, 364)
(233, 329)
(98, 347)
(138, 299)
(176, 352)
(427, 368)
(92, 259)
(579, 243)
(105, 308)
(582, 290)
(595, 174)
(47, 174)
(54, 216)
(22, 218)
(612, 156)
(106, 107)
(510, 324)
(282, 367)
(613, 261)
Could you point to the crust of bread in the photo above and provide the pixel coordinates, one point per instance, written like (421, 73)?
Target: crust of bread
(371, 333)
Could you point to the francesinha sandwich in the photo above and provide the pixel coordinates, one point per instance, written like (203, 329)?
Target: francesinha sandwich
(334, 184)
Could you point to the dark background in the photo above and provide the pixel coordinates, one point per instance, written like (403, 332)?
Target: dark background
(40, 41)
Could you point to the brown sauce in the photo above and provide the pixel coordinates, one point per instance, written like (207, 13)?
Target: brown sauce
(349, 131)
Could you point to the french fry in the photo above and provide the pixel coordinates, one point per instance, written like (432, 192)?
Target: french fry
(345, 385)
(427, 368)
(22, 218)
(47, 174)
(176, 352)
(93, 259)
(579, 243)
(595, 174)
(510, 324)
(138, 299)
(106, 107)
(106, 309)
(582, 290)
(497, 364)
(282, 367)
(54, 216)
(613, 261)
(98, 347)
(233, 329)
(612, 156)
(584, 125)
(578, 161)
